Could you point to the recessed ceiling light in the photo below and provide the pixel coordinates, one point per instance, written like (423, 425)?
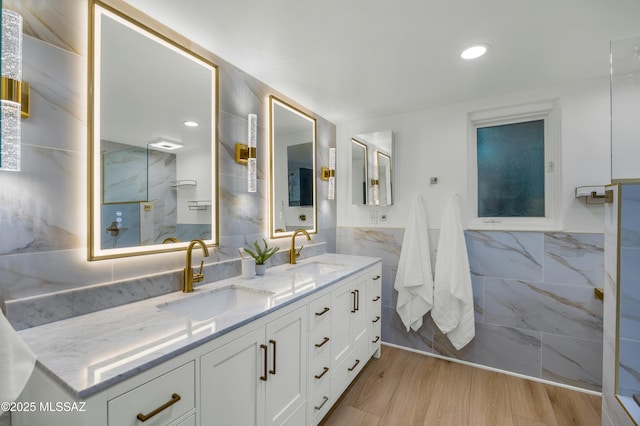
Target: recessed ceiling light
(191, 124)
(165, 144)
(474, 52)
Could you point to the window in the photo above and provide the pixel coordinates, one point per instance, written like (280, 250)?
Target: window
(513, 176)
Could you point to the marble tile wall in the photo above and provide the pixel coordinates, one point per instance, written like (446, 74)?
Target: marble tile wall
(44, 272)
(533, 294)
(629, 331)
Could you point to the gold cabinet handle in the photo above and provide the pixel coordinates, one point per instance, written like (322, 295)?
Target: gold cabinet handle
(325, 340)
(353, 310)
(324, 311)
(273, 342)
(144, 417)
(324, 371)
(265, 353)
(357, 299)
(376, 339)
(377, 277)
(376, 320)
(319, 407)
(354, 365)
(375, 299)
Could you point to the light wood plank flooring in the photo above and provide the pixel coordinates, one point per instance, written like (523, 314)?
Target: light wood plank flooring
(406, 388)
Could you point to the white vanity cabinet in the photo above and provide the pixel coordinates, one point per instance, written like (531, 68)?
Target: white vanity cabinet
(258, 378)
(287, 367)
(350, 325)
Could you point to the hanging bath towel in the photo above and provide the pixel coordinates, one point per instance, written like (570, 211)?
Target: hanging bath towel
(414, 280)
(453, 295)
(16, 362)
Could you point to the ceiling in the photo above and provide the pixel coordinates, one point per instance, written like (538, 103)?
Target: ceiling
(351, 59)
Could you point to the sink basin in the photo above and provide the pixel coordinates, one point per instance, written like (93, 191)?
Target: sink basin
(317, 268)
(225, 301)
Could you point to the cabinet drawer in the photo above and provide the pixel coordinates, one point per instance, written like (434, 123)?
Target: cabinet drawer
(319, 311)
(349, 369)
(174, 390)
(319, 341)
(319, 403)
(319, 372)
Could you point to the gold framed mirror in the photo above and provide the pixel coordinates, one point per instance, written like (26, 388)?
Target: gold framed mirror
(152, 137)
(292, 170)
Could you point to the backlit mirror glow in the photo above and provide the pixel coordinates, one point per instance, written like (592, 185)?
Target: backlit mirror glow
(152, 171)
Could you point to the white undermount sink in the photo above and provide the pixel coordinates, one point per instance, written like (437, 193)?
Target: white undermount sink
(230, 300)
(317, 268)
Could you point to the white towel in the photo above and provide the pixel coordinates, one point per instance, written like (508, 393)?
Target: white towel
(16, 362)
(453, 311)
(414, 280)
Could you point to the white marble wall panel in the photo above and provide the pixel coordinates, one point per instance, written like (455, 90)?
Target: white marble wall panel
(506, 348)
(576, 362)
(385, 243)
(558, 309)
(630, 293)
(630, 212)
(514, 255)
(394, 332)
(629, 370)
(574, 259)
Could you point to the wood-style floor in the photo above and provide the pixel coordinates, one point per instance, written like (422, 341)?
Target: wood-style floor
(406, 388)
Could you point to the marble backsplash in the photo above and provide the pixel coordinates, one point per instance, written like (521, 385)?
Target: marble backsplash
(533, 294)
(43, 208)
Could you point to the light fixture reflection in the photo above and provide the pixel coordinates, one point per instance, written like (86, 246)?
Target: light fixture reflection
(252, 162)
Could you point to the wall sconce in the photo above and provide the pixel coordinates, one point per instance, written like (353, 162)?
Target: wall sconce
(15, 92)
(329, 174)
(246, 154)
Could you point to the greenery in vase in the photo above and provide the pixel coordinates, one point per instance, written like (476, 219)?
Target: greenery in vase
(261, 254)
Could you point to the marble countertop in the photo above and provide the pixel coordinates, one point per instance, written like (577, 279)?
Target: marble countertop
(91, 352)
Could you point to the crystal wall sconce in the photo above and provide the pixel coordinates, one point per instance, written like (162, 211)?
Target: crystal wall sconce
(329, 174)
(15, 92)
(246, 154)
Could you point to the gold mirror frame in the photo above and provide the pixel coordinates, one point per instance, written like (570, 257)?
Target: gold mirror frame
(163, 35)
(275, 229)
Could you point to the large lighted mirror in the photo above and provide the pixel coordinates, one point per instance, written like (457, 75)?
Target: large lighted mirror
(293, 170)
(372, 168)
(152, 148)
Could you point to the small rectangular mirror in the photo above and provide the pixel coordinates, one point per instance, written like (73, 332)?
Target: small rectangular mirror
(293, 170)
(372, 168)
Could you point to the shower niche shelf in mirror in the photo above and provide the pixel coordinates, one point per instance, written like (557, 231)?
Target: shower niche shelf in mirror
(145, 164)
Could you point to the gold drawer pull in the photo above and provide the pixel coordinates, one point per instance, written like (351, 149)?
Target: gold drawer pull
(273, 370)
(377, 277)
(324, 371)
(376, 339)
(319, 345)
(319, 407)
(144, 417)
(375, 299)
(324, 311)
(377, 319)
(354, 365)
(265, 353)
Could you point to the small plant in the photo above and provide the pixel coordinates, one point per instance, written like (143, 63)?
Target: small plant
(261, 254)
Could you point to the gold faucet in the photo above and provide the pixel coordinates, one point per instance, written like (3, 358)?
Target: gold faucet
(189, 276)
(293, 254)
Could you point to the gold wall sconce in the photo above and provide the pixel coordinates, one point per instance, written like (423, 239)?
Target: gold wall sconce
(247, 154)
(329, 174)
(15, 92)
